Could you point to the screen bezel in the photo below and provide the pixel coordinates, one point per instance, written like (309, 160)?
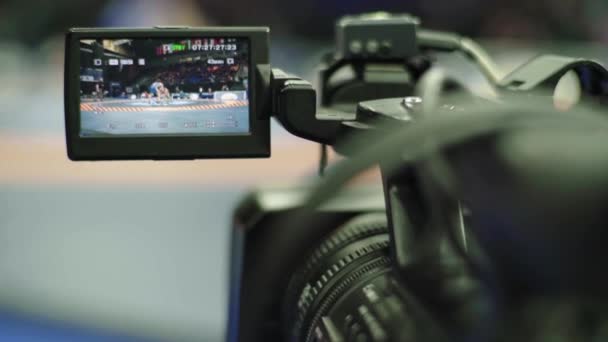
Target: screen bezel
(255, 144)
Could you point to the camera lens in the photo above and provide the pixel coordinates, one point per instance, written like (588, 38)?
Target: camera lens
(352, 255)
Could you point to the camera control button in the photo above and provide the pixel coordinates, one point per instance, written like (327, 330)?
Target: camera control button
(372, 46)
(356, 47)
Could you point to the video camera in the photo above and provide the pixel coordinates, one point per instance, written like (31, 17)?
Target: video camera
(471, 223)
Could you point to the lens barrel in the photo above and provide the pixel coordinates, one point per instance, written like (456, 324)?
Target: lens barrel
(352, 256)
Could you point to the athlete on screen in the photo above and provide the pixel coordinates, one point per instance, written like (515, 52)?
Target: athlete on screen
(164, 94)
(99, 97)
(99, 91)
(156, 89)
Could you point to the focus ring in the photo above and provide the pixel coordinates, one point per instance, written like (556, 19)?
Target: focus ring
(363, 235)
(312, 289)
(358, 228)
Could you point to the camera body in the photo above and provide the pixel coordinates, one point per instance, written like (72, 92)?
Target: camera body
(390, 263)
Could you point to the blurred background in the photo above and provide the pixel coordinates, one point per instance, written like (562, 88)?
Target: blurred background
(137, 251)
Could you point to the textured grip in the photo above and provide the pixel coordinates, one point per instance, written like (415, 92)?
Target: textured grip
(363, 235)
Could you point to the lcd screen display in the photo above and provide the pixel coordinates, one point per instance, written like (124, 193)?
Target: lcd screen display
(164, 87)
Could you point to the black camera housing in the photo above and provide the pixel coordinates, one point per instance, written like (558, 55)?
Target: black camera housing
(256, 143)
(262, 250)
(273, 229)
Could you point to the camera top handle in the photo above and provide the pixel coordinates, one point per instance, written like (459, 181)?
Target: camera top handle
(293, 101)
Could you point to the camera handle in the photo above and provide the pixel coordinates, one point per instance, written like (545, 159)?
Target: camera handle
(293, 100)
